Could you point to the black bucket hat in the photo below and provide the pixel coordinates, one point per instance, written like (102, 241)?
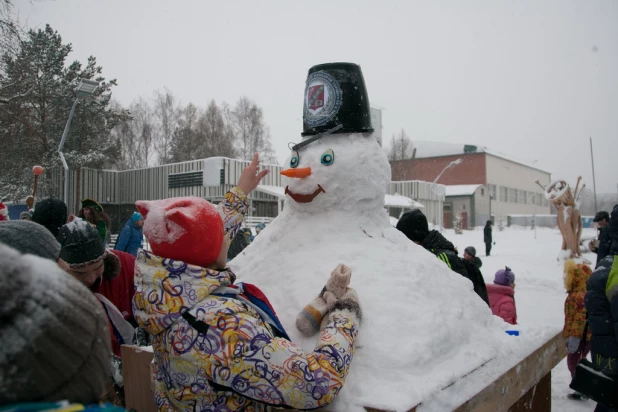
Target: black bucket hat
(336, 100)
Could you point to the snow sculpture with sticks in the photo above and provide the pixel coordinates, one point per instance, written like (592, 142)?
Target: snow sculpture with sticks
(568, 214)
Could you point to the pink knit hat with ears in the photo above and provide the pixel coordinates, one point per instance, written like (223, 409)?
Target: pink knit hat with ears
(189, 229)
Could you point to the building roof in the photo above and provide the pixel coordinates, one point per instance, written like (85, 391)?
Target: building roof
(461, 190)
(424, 149)
(398, 200)
(395, 200)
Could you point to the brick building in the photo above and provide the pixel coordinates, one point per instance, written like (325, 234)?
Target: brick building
(510, 184)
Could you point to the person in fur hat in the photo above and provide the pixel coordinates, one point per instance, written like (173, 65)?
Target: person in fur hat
(109, 274)
(218, 344)
(575, 278)
(502, 295)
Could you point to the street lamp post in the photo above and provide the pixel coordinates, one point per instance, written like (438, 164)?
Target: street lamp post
(84, 89)
(433, 184)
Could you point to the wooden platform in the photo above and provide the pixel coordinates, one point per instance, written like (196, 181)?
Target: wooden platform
(524, 387)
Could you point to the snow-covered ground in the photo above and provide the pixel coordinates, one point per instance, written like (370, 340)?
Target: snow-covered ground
(539, 292)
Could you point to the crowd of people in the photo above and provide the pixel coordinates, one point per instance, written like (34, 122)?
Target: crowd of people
(70, 301)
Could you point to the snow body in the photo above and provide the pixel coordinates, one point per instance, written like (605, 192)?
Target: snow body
(423, 324)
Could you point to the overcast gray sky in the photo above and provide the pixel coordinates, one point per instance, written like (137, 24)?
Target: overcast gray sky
(533, 79)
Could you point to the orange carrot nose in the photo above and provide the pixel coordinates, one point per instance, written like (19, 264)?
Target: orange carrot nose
(298, 173)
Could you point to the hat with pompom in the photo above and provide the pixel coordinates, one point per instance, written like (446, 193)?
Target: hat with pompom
(4, 212)
(188, 229)
(504, 277)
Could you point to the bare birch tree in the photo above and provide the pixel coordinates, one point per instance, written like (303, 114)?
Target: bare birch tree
(401, 147)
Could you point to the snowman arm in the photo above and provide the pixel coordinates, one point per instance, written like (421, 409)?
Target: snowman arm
(274, 371)
(233, 209)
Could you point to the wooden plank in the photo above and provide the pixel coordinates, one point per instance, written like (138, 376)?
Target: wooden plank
(536, 399)
(137, 379)
(505, 391)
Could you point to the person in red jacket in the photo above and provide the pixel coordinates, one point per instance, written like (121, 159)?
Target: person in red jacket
(502, 295)
(108, 274)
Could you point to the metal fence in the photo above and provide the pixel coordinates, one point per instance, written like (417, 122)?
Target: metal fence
(125, 187)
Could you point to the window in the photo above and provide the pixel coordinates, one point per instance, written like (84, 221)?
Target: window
(503, 194)
(512, 195)
(482, 191)
(522, 197)
(492, 191)
(539, 199)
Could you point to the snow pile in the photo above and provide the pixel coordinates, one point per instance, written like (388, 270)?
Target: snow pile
(423, 327)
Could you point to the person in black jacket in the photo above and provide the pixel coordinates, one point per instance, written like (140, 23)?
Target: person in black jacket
(602, 245)
(487, 237)
(239, 243)
(414, 225)
(601, 303)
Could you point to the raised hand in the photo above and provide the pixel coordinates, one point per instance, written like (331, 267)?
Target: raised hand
(251, 176)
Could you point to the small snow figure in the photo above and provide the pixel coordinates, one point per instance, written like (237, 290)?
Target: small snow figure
(459, 223)
(222, 342)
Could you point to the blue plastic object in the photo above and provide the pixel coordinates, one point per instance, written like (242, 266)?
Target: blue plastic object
(513, 332)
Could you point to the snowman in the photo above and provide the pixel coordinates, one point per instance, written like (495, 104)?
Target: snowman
(423, 325)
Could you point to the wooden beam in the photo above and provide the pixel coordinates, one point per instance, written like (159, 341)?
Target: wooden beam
(505, 391)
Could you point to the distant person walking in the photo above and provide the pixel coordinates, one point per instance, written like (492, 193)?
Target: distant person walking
(131, 238)
(488, 237)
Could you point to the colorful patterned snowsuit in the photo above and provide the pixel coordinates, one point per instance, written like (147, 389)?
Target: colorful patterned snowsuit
(217, 352)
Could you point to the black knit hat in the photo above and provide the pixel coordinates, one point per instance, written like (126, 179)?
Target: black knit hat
(471, 250)
(603, 215)
(51, 213)
(336, 97)
(414, 225)
(81, 245)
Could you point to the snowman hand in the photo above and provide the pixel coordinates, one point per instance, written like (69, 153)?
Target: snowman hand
(339, 280)
(251, 176)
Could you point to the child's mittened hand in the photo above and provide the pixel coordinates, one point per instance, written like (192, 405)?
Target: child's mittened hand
(572, 344)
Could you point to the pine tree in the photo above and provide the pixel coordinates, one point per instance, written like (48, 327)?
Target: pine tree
(33, 122)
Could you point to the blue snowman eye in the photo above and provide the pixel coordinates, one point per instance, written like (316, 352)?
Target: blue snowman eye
(328, 157)
(294, 160)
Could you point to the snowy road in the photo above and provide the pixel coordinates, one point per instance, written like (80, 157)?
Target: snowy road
(539, 292)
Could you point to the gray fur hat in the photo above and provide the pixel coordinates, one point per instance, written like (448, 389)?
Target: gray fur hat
(54, 334)
(29, 238)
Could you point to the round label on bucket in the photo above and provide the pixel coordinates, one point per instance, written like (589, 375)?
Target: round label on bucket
(323, 99)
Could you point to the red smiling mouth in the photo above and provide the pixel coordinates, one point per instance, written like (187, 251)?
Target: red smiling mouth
(300, 198)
